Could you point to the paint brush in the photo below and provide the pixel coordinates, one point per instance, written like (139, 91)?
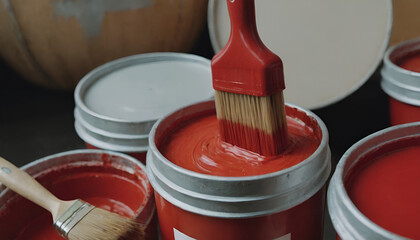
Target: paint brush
(74, 220)
(249, 82)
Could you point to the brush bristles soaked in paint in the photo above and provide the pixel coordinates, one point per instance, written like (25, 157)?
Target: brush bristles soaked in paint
(255, 123)
(103, 225)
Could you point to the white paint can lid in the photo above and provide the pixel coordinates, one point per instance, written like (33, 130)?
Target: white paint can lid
(118, 102)
(329, 48)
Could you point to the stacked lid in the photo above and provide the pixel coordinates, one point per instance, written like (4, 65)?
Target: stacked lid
(118, 102)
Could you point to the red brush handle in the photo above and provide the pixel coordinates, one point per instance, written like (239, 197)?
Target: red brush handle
(245, 65)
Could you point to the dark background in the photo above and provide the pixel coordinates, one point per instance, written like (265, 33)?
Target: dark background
(36, 122)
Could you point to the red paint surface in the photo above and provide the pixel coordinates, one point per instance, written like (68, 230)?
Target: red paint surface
(385, 187)
(411, 62)
(197, 146)
(102, 186)
(303, 222)
(253, 139)
(401, 113)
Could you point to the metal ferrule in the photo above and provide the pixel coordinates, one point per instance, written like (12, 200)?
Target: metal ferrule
(65, 223)
(399, 83)
(348, 221)
(235, 197)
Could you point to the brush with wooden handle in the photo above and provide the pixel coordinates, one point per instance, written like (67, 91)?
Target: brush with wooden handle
(249, 82)
(74, 220)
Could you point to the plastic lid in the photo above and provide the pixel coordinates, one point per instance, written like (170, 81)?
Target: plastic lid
(329, 48)
(118, 102)
(148, 90)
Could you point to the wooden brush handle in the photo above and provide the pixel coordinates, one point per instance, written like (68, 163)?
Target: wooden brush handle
(26, 186)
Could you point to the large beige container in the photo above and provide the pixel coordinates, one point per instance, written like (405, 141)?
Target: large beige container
(56, 42)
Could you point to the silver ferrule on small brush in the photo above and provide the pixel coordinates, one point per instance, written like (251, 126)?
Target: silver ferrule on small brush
(65, 223)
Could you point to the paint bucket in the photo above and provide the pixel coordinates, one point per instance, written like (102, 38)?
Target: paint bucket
(402, 85)
(284, 205)
(118, 102)
(97, 176)
(386, 210)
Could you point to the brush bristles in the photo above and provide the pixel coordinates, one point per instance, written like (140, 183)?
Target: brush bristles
(255, 123)
(103, 225)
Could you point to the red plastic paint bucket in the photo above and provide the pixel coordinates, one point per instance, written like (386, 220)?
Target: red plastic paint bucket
(375, 190)
(118, 102)
(282, 205)
(113, 181)
(401, 82)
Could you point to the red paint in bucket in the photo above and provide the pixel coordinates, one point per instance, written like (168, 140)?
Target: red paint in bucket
(264, 204)
(385, 187)
(198, 147)
(381, 178)
(109, 181)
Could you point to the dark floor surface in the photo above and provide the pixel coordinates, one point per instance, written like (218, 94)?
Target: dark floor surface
(36, 122)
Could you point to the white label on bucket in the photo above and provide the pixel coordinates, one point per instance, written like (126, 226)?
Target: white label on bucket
(180, 236)
(285, 237)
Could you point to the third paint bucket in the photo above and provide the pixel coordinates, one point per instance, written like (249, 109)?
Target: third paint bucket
(401, 81)
(281, 205)
(374, 193)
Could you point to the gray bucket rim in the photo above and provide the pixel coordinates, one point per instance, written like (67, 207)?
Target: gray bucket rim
(394, 66)
(84, 133)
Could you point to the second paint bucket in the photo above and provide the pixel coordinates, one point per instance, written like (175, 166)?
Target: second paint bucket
(282, 205)
(401, 82)
(374, 193)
